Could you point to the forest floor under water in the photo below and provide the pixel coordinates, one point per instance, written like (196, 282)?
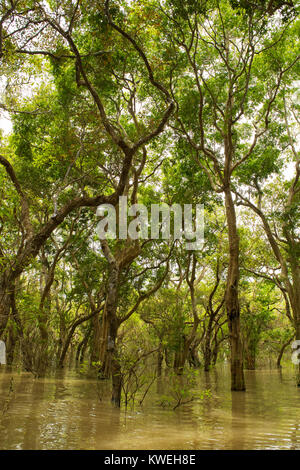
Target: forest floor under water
(66, 411)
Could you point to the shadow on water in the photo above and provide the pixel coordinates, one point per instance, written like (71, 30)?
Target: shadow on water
(67, 411)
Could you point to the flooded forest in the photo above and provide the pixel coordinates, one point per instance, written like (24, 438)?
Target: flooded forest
(149, 225)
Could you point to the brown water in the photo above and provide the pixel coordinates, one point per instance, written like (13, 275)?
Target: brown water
(66, 413)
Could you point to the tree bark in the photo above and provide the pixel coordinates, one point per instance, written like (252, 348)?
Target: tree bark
(95, 346)
(207, 356)
(181, 354)
(116, 381)
(160, 358)
(250, 359)
(180, 360)
(207, 345)
(231, 297)
(193, 357)
(215, 354)
(70, 336)
(281, 352)
(82, 346)
(111, 322)
(5, 304)
(104, 358)
(10, 344)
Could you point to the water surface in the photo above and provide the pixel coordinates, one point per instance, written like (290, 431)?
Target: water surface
(65, 412)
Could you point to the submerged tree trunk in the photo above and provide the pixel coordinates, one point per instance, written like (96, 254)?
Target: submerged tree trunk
(116, 381)
(114, 363)
(231, 298)
(42, 358)
(25, 347)
(46, 282)
(110, 325)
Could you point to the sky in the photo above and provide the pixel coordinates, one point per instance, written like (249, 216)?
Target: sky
(5, 123)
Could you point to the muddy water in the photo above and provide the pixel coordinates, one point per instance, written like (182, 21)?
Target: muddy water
(65, 412)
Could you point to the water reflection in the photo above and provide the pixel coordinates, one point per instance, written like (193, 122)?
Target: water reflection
(238, 418)
(69, 412)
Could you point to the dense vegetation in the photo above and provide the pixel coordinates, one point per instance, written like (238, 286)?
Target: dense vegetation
(181, 102)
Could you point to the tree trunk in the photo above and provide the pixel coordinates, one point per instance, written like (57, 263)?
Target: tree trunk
(179, 362)
(46, 282)
(95, 346)
(82, 346)
(110, 325)
(250, 349)
(78, 322)
(193, 357)
(160, 358)
(207, 347)
(104, 357)
(116, 381)
(11, 344)
(281, 352)
(26, 348)
(297, 327)
(231, 298)
(250, 359)
(207, 357)
(181, 356)
(215, 354)
(42, 359)
(5, 304)
(168, 360)
(113, 360)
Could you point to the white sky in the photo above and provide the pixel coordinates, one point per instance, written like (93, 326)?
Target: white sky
(5, 123)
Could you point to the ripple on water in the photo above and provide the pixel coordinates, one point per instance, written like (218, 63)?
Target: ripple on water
(66, 413)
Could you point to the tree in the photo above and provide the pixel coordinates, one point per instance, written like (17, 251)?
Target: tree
(215, 53)
(39, 22)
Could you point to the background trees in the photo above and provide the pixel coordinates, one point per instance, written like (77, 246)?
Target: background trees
(176, 102)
